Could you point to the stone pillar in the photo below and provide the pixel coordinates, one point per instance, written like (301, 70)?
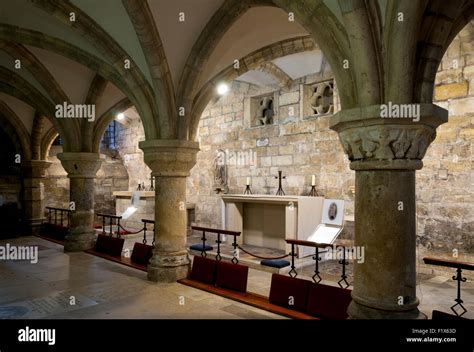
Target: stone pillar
(171, 162)
(35, 172)
(385, 152)
(81, 169)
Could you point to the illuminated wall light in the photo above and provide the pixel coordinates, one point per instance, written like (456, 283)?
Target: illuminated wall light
(120, 116)
(222, 89)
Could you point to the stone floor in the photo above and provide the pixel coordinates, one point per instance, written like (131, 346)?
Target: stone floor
(105, 290)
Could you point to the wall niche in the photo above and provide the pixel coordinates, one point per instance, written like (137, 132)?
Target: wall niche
(261, 110)
(317, 99)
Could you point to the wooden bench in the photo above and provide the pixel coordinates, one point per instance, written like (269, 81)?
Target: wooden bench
(110, 248)
(252, 299)
(291, 297)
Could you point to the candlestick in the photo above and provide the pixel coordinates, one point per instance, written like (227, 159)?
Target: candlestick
(313, 180)
(280, 188)
(248, 190)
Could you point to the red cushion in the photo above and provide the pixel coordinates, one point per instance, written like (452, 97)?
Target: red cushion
(55, 231)
(232, 276)
(289, 292)
(141, 253)
(109, 245)
(204, 270)
(328, 302)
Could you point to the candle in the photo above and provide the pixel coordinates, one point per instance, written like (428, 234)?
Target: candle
(313, 180)
(248, 181)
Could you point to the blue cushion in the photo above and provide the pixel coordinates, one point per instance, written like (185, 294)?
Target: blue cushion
(280, 263)
(198, 247)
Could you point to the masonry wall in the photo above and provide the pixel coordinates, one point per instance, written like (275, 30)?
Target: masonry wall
(445, 185)
(298, 145)
(301, 147)
(112, 176)
(128, 137)
(10, 187)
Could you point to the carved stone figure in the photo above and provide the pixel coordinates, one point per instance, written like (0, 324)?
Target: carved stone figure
(220, 172)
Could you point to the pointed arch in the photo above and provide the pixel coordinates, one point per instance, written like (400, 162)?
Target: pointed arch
(36, 68)
(252, 61)
(152, 46)
(12, 125)
(115, 54)
(105, 119)
(37, 39)
(229, 12)
(441, 22)
(47, 141)
(16, 86)
(331, 36)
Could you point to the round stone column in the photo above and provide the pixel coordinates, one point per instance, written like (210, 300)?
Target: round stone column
(171, 162)
(385, 153)
(35, 173)
(81, 169)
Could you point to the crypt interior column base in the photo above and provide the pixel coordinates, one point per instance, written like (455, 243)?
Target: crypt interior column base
(170, 162)
(81, 169)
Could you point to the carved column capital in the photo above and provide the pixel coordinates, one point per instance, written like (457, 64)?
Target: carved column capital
(388, 143)
(170, 157)
(81, 165)
(36, 168)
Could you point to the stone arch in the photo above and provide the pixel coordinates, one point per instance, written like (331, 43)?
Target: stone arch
(94, 95)
(142, 19)
(106, 118)
(252, 61)
(36, 68)
(314, 16)
(432, 44)
(269, 67)
(14, 85)
(47, 141)
(36, 133)
(107, 45)
(58, 46)
(12, 125)
(222, 20)
(325, 28)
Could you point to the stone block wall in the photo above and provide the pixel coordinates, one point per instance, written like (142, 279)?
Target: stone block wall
(445, 185)
(128, 137)
(301, 146)
(10, 187)
(112, 176)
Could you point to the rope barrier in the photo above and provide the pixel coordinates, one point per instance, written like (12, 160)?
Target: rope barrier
(260, 257)
(130, 232)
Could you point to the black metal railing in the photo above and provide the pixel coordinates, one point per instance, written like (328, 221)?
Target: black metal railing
(459, 266)
(316, 277)
(218, 232)
(110, 219)
(145, 229)
(64, 215)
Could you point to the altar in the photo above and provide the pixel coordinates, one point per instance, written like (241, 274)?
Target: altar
(267, 220)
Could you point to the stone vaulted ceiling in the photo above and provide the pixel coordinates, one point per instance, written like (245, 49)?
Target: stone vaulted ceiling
(161, 55)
